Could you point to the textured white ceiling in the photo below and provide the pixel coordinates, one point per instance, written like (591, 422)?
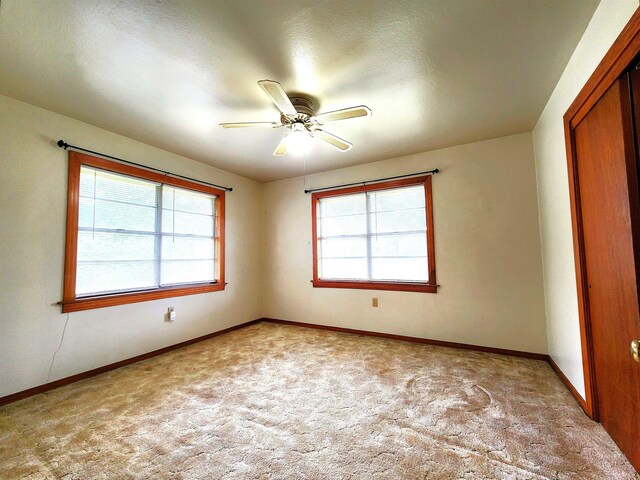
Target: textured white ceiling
(435, 73)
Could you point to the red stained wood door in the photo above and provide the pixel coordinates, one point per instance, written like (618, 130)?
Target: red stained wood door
(605, 153)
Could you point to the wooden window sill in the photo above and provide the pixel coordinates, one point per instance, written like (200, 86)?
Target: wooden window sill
(89, 303)
(401, 287)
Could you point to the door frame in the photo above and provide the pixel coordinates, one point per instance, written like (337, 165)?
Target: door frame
(619, 57)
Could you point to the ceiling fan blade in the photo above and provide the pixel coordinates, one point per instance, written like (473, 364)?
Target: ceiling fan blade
(281, 149)
(331, 139)
(250, 124)
(278, 96)
(344, 114)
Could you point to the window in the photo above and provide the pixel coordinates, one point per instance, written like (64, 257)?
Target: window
(136, 235)
(377, 236)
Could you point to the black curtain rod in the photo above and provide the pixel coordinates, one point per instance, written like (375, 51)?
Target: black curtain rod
(65, 145)
(367, 182)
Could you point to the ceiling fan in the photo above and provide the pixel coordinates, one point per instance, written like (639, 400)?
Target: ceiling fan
(297, 114)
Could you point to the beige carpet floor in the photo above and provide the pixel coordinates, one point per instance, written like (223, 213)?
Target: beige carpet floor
(280, 402)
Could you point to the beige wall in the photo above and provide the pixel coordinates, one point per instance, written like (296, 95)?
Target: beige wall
(32, 213)
(553, 191)
(487, 251)
(486, 247)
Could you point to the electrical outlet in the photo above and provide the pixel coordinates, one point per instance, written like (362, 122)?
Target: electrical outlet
(374, 302)
(171, 314)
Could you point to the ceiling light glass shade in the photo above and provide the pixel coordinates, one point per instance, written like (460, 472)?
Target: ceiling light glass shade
(298, 142)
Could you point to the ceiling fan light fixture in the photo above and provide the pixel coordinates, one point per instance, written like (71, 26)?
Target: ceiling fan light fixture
(299, 141)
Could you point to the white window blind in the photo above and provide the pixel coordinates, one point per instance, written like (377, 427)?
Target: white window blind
(135, 234)
(374, 236)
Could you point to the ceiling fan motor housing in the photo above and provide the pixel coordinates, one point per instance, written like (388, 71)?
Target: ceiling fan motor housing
(303, 105)
(303, 120)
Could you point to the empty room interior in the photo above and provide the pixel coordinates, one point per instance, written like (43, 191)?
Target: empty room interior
(320, 240)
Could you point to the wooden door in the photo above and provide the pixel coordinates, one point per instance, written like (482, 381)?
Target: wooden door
(608, 200)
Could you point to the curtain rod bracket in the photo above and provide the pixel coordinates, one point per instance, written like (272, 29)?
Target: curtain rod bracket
(64, 145)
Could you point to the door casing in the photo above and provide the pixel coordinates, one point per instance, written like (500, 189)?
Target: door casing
(616, 61)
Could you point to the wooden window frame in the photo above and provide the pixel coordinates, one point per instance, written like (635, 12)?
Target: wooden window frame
(72, 304)
(429, 287)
